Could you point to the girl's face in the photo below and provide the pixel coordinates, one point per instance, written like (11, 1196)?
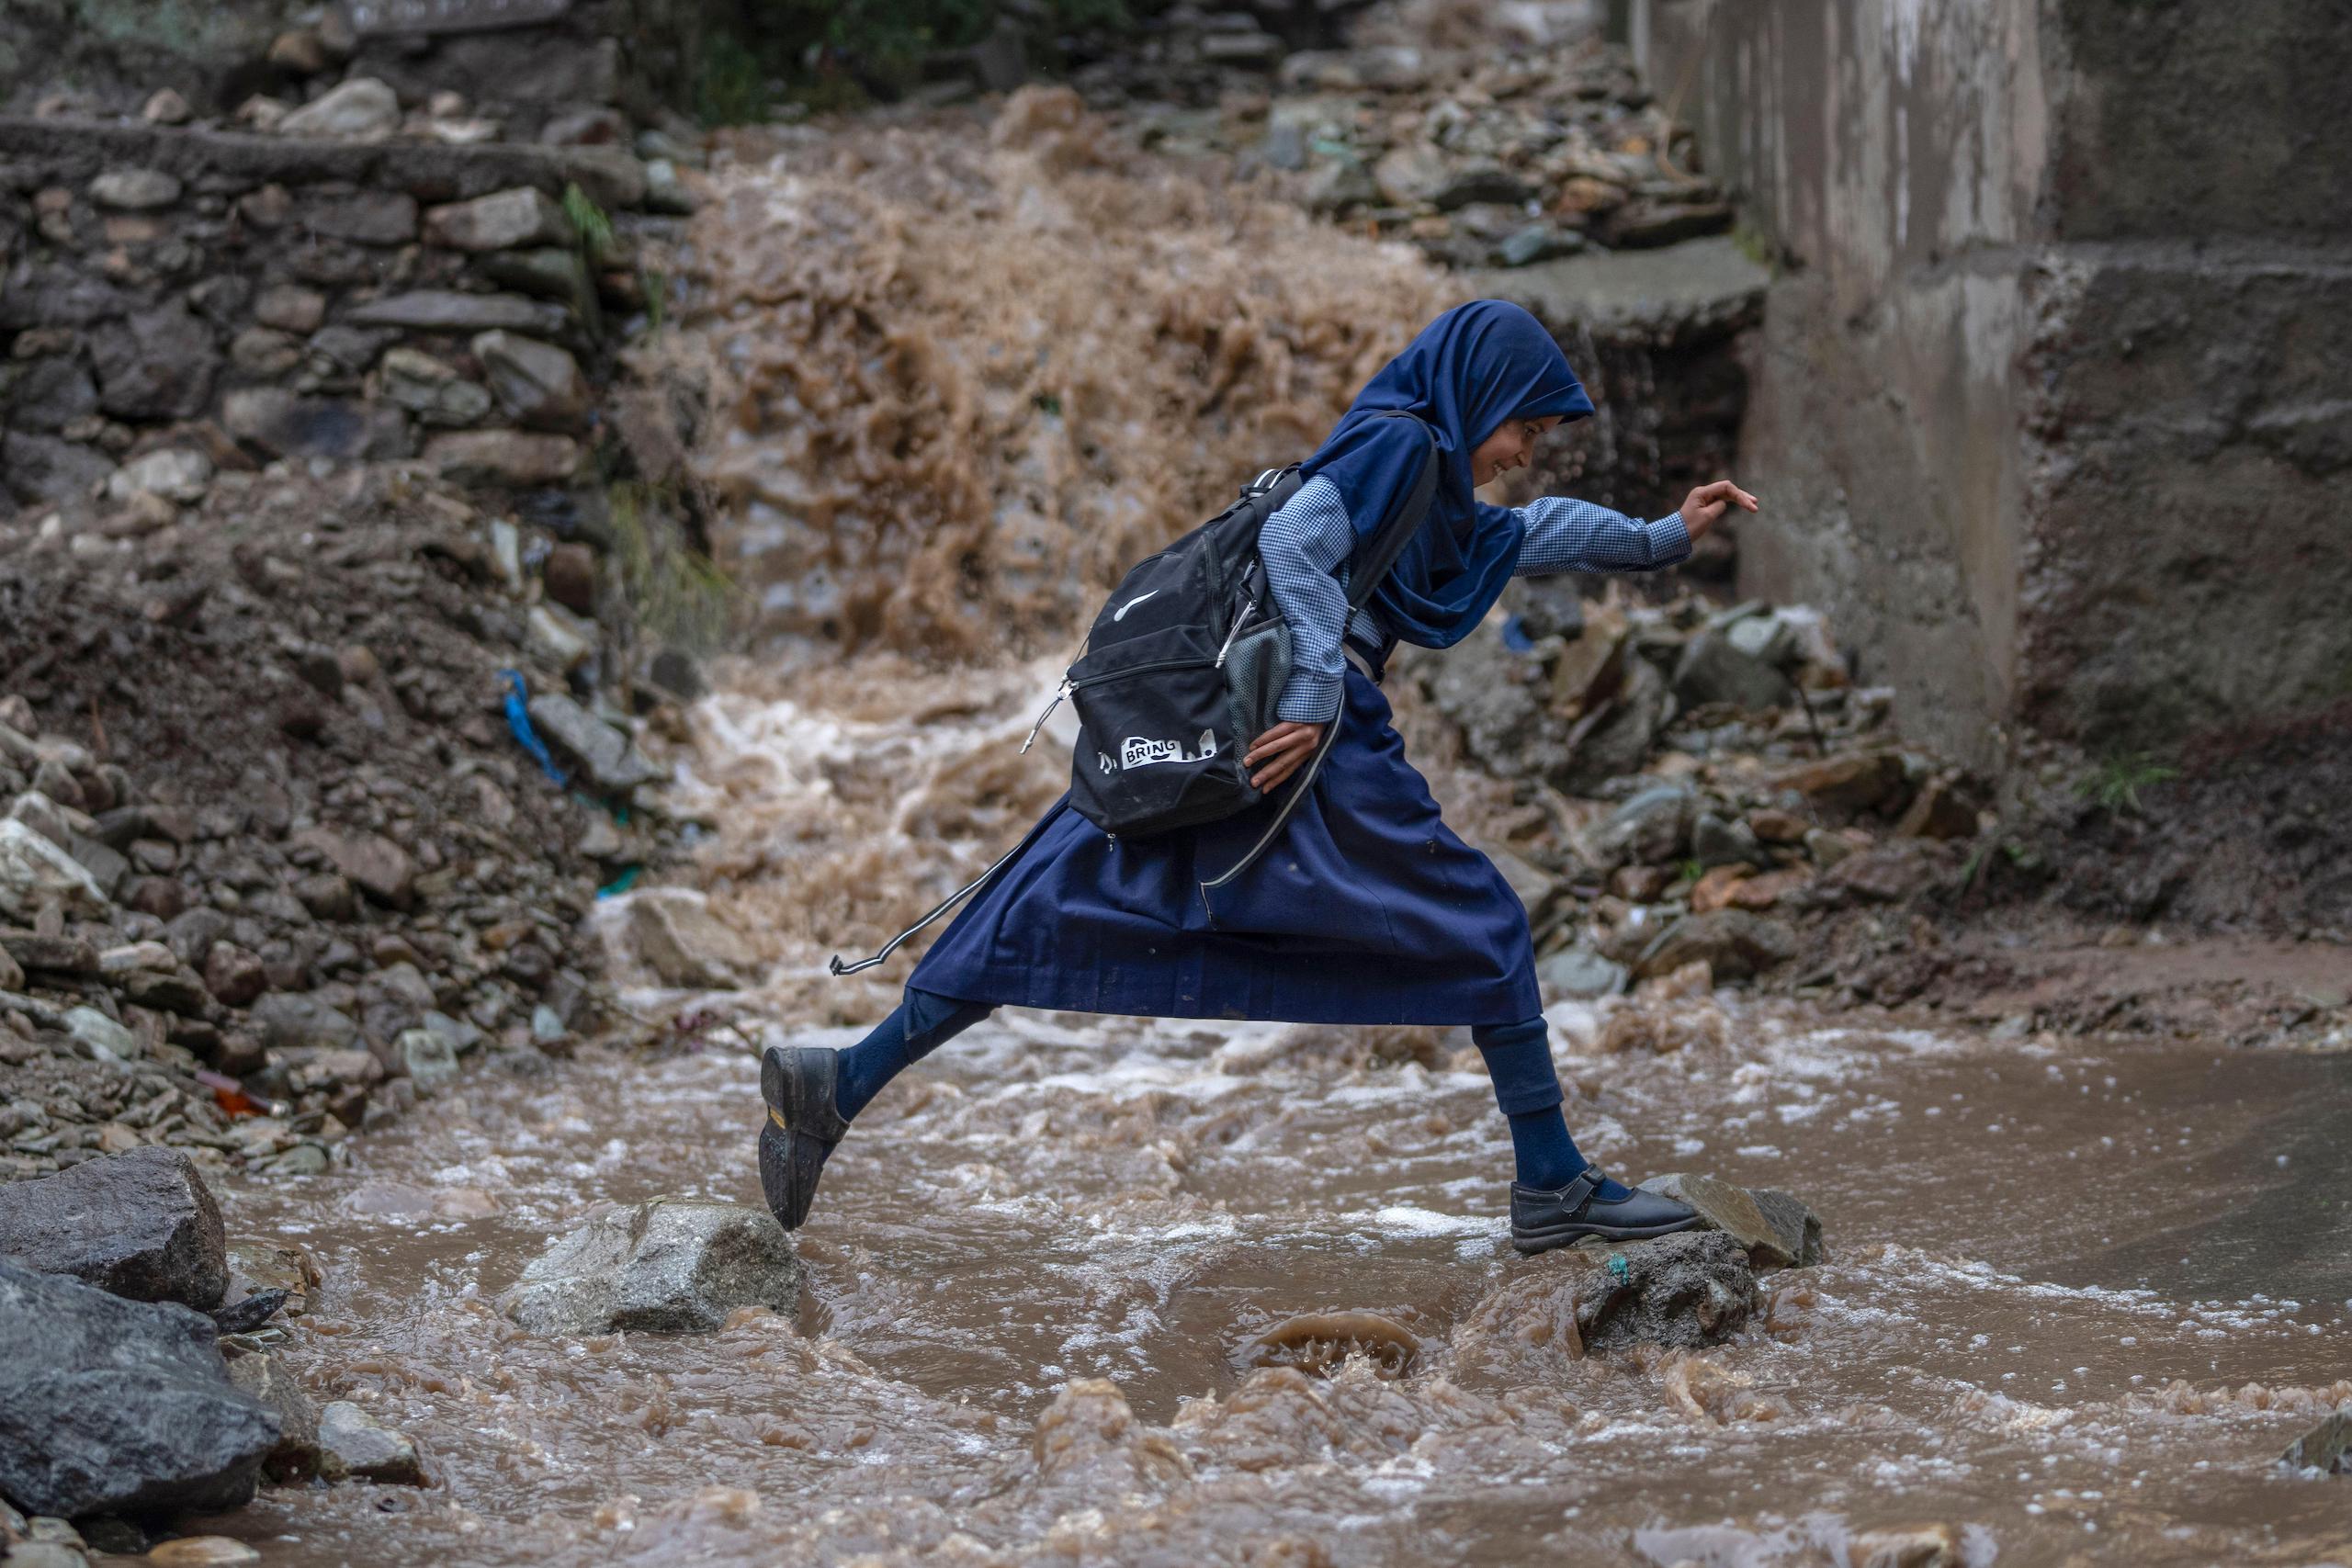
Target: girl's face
(1511, 447)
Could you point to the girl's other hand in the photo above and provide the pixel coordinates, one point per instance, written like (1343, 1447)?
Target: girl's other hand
(1281, 750)
(1703, 505)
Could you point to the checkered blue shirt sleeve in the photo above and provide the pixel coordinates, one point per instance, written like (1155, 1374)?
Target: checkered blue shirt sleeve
(1563, 534)
(1305, 546)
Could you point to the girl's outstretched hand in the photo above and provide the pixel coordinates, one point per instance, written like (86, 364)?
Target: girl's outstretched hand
(1279, 753)
(1703, 505)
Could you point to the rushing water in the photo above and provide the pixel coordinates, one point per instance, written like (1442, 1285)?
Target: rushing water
(2078, 1295)
(2077, 1299)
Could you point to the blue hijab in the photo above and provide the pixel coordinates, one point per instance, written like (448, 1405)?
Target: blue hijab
(1469, 370)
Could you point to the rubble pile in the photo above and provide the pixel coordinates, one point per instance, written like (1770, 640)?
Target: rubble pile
(273, 859)
(1489, 159)
(1688, 783)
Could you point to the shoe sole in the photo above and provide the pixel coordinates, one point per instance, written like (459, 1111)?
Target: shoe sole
(777, 1184)
(1528, 1243)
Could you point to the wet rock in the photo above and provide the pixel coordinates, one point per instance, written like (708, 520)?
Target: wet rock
(1683, 1291)
(299, 1020)
(569, 574)
(290, 308)
(1940, 810)
(666, 190)
(142, 1224)
(271, 1267)
(445, 310)
(192, 935)
(1733, 943)
(363, 217)
(1735, 1212)
(1854, 782)
(202, 1552)
(288, 424)
(538, 384)
(110, 1407)
(1720, 841)
(354, 1446)
(671, 933)
(1794, 1222)
(430, 390)
(34, 873)
(46, 1554)
(512, 458)
(1712, 669)
(504, 220)
(1622, 739)
(134, 190)
(266, 1378)
(1579, 972)
(235, 977)
(611, 760)
(329, 896)
(101, 1038)
(1649, 828)
(361, 108)
(2326, 1447)
(667, 1266)
(1320, 1342)
(1906, 1546)
(430, 1058)
(374, 864)
(1884, 873)
(178, 992)
(154, 365)
(39, 469)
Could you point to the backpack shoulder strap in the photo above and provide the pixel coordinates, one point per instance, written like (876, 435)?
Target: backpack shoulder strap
(1380, 552)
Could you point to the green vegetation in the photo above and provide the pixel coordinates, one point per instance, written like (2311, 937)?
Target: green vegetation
(679, 595)
(2115, 785)
(835, 54)
(594, 225)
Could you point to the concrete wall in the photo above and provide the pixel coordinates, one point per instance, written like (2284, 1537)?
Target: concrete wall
(2054, 383)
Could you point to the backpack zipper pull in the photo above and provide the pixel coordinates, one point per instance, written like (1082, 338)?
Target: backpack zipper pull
(1240, 613)
(1044, 716)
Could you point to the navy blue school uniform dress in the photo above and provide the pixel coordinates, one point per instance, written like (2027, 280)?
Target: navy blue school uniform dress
(1368, 908)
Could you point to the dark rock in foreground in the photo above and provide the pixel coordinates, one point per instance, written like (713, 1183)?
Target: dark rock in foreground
(2327, 1446)
(112, 1406)
(1683, 1290)
(666, 1266)
(1778, 1231)
(142, 1224)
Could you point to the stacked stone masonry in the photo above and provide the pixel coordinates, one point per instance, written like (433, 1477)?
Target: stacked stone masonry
(294, 298)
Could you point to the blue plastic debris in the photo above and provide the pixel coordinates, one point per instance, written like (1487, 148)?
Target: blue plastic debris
(621, 883)
(518, 721)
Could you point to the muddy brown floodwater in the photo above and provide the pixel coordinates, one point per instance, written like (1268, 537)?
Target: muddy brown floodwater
(2076, 1302)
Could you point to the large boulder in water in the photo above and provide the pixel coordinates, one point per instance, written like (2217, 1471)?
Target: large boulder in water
(142, 1224)
(1778, 1230)
(112, 1406)
(668, 1266)
(1685, 1291)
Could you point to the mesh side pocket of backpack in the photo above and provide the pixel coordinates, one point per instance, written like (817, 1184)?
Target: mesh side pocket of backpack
(1257, 668)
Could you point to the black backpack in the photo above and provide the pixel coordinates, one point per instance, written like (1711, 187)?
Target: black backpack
(1186, 661)
(1182, 671)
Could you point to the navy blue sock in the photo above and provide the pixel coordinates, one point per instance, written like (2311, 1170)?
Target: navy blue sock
(1519, 1060)
(916, 1026)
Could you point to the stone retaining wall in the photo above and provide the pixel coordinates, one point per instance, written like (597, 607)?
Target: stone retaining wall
(274, 298)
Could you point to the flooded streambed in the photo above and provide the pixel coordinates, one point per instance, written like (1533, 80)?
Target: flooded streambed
(2075, 1302)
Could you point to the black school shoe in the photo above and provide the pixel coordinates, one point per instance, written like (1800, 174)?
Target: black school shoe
(1541, 1220)
(802, 1127)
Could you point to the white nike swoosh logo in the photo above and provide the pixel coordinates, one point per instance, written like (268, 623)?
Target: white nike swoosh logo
(1121, 613)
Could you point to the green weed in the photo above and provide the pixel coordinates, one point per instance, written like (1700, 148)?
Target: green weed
(2115, 785)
